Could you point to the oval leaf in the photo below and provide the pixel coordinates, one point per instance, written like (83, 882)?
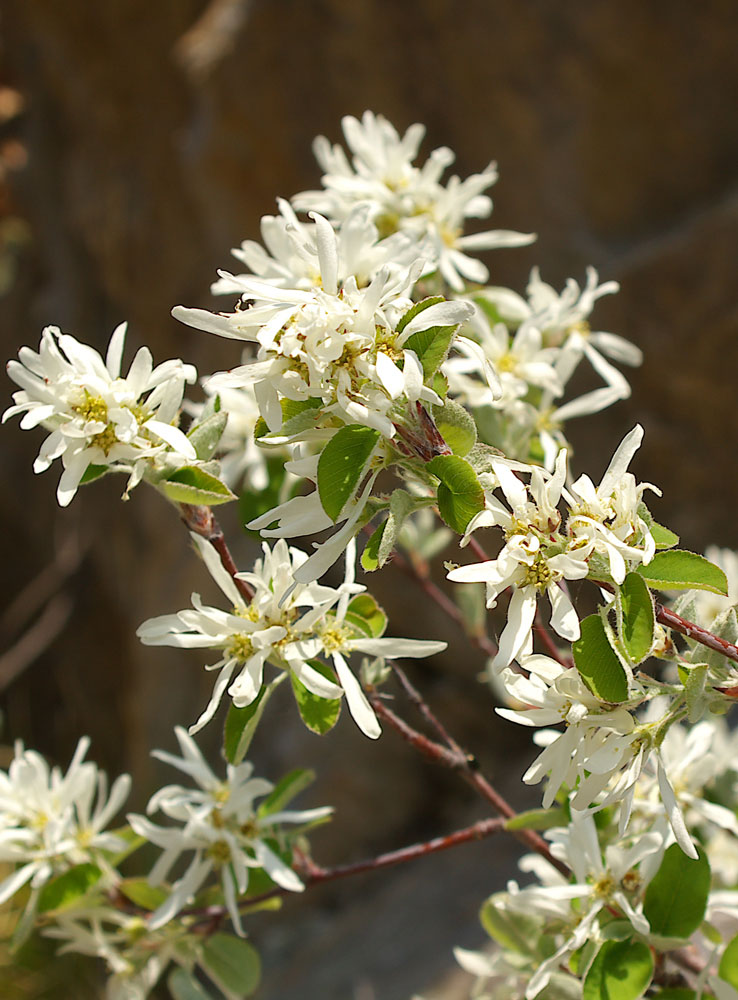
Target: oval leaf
(195, 486)
(596, 661)
(621, 970)
(676, 896)
(232, 963)
(66, 889)
(682, 570)
(241, 724)
(728, 969)
(370, 555)
(638, 619)
(456, 426)
(342, 464)
(419, 307)
(460, 494)
(183, 986)
(431, 346)
(319, 714)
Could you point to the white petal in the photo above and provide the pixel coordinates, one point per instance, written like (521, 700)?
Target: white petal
(359, 707)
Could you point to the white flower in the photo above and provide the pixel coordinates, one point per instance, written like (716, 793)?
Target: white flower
(402, 197)
(334, 341)
(220, 824)
(95, 416)
(607, 516)
(270, 627)
(50, 821)
(524, 562)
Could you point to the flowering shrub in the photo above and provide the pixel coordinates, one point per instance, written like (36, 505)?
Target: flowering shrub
(404, 401)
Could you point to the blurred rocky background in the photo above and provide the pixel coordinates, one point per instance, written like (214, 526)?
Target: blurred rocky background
(139, 141)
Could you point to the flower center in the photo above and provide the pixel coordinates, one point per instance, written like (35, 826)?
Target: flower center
(240, 648)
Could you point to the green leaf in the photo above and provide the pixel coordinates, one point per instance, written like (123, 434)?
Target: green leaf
(286, 790)
(370, 555)
(232, 963)
(183, 986)
(638, 619)
(431, 347)
(664, 538)
(676, 896)
(319, 714)
(622, 970)
(456, 426)
(512, 930)
(694, 680)
(419, 307)
(138, 890)
(93, 472)
(728, 969)
(679, 993)
(64, 890)
(195, 486)
(537, 819)
(682, 570)
(241, 723)
(206, 435)
(368, 615)
(597, 662)
(342, 464)
(402, 503)
(460, 494)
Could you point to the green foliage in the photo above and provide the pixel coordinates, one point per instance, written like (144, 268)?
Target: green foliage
(682, 570)
(456, 426)
(637, 620)
(285, 790)
(460, 494)
(728, 969)
(621, 970)
(364, 612)
(370, 555)
(537, 819)
(676, 896)
(183, 986)
(597, 662)
(254, 503)
(140, 893)
(431, 346)
(419, 307)
(232, 963)
(512, 930)
(65, 890)
(241, 724)
(342, 464)
(663, 538)
(206, 435)
(319, 714)
(195, 486)
(93, 472)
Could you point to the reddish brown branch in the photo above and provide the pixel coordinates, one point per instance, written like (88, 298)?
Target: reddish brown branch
(669, 618)
(424, 709)
(467, 766)
(201, 520)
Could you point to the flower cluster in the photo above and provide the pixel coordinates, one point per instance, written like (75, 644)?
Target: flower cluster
(96, 417)
(286, 624)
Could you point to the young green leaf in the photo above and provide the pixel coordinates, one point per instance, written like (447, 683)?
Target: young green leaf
(364, 612)
(537, 819)
(431, 346)
(513, 931)
(621, 970)
(460, 494)
(232, 963)
(676, 896)
(456, 426)
(597, 662)
(419, 307)
(183, 986)
(319, 714)
(728, 969)
(93, 472)
(663, 538)
(138, 890)
(206, 435)
(195, 486)
(66, 889)
(637, 618)
(401, 504)
(241, 723)
(286, 790)
(342, 464)
(370, 555)
(682, 570)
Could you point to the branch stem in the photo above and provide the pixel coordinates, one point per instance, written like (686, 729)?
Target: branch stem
(201, 520)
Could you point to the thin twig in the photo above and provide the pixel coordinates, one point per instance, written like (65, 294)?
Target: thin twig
(36, 639)
(669, 618)
(467, 766)
(201, 520)
(316, 875)
(424, 709)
